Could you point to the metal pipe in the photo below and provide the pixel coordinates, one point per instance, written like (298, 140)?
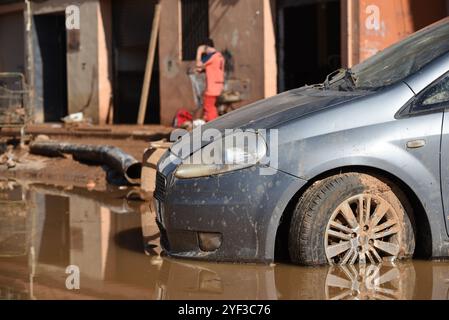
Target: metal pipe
(111, 156)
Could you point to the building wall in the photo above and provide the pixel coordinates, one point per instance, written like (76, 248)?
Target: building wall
(12, 37)
(398, 18)
(246, 29)
(236, 26)
(88, 71)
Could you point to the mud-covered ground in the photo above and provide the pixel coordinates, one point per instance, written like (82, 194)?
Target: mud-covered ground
(66, 172)
(113, 243)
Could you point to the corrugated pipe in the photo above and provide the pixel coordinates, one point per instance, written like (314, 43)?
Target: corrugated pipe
(111, 156)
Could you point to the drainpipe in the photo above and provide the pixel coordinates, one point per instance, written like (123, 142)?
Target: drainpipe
(112, 156)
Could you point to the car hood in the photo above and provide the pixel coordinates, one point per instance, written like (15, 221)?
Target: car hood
(271, 112)
(293, 104)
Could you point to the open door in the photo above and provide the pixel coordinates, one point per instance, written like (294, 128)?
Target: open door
(51, 65)
(131, 26)
(308, 36)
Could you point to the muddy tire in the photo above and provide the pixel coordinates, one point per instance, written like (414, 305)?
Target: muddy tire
(350, 218)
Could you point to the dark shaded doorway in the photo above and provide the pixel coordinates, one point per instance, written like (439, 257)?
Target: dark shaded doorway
(51, 64)
(308, 37)
(424, 14)
(131, 29)
(55, 241)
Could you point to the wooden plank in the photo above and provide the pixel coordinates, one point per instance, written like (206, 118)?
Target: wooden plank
(149, 66)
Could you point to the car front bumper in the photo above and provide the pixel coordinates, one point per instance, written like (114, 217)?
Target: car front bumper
(243, 207)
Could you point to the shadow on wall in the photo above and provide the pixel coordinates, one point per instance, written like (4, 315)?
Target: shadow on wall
(424, 14)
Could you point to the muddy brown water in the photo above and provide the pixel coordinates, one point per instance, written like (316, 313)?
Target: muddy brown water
(45, 230)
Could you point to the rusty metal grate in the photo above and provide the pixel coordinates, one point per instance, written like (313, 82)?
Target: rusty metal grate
(14, 106)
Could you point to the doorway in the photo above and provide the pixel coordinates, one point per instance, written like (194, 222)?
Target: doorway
(51, 65)
(308, 37)
(131, 25)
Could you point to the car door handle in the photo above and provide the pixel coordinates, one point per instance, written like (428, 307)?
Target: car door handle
(414, 144)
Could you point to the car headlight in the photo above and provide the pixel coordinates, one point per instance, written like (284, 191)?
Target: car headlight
(233, 152)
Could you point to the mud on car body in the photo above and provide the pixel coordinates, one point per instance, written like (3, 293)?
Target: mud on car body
(362, 172)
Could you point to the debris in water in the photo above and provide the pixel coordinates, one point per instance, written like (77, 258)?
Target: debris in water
(7, 158)
(74, 117)
(10, 163)
(42, 137)
(3, 159)
(3, 147)
(90, 185)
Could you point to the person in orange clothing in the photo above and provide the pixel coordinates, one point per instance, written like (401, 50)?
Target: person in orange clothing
(211, 61)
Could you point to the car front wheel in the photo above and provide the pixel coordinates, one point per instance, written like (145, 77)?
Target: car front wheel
(350, 218)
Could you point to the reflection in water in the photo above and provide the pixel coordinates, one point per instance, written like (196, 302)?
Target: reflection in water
(186, 280)
(14, 221)
(43, 230)
(385, 282)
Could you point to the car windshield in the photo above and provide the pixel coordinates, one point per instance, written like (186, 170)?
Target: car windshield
(400, 60)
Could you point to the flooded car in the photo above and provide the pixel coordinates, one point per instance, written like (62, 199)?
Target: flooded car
(100, 233)
(360, 174)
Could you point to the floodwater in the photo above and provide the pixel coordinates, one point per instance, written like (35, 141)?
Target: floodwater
(46, 232)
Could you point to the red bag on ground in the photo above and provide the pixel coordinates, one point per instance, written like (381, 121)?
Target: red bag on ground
(182, 116)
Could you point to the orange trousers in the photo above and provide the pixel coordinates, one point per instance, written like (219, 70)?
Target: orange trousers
(209, 108)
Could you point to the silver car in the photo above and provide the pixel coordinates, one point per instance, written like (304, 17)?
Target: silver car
(362, 173)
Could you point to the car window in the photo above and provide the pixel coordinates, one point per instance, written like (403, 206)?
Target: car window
(435, 96)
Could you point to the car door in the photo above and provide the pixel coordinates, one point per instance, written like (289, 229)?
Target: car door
(435, 98)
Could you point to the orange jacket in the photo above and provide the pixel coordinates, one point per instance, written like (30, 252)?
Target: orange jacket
(214, 74)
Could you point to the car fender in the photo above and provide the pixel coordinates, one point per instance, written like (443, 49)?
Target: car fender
(418, 169)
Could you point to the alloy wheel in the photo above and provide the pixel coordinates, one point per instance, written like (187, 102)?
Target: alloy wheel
(363, 228)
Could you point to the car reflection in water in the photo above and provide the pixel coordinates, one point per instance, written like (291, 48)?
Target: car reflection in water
(380, 282)
(181, 280)
(43, 230)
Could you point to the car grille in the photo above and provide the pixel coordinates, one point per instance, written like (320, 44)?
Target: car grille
(161, 182)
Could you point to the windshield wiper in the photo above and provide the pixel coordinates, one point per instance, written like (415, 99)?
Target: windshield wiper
(341, 74)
